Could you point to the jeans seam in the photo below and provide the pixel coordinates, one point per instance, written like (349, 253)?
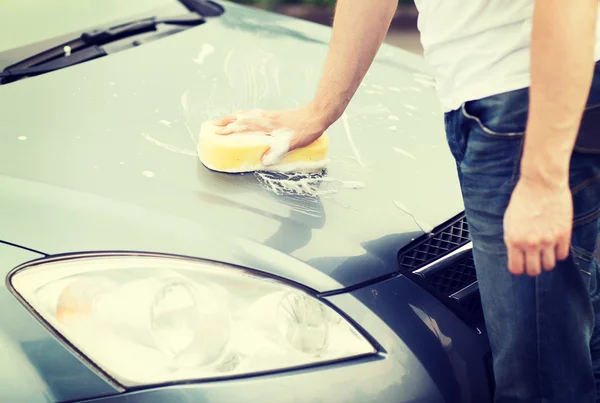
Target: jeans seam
(594, 106)
(586, 218)
(517, 167)
(485, 128)
(576, 189)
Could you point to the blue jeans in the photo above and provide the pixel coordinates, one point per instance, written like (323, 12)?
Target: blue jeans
(544, 331)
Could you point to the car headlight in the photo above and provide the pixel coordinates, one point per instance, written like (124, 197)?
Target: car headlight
(148, 319)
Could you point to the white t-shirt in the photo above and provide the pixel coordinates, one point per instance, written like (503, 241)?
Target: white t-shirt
(477, 48)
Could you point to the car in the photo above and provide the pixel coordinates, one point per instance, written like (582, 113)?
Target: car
(135, 274)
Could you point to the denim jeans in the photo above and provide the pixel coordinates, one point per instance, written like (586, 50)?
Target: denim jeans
(544, 331)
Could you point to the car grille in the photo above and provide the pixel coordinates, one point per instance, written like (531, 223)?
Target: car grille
(455, 277)
(446, 239)
(454, 283)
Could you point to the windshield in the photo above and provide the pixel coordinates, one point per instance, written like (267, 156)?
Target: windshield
(23, 22)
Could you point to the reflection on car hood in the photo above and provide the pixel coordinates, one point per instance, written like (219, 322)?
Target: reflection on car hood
(101, 155)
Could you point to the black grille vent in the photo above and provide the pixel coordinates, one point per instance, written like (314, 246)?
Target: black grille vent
(445, 282)
(442, 241)
(454, 278)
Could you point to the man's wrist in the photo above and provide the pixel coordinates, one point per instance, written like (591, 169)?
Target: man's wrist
(326, 113)
(551, 171)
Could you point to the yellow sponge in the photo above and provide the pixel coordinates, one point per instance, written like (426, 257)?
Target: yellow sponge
(243, 152)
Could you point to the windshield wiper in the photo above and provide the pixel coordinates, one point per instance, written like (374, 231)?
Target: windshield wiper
(88, 46)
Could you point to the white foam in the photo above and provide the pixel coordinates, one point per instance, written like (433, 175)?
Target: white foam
(393, 117)
(165, 122)
(22, 138)
(279, 146)
(206, 50)
(148, 174)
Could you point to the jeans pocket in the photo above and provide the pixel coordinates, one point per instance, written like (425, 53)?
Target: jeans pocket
(501, 115)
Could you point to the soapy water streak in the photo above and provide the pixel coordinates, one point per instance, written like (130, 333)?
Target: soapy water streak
(304, 184)
(351, 140)
(168, 147)
(423, 226)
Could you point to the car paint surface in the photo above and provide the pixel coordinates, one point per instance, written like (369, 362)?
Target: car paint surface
(112, 141)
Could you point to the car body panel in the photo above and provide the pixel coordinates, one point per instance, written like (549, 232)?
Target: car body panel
(123, 129)
(36, 367)
(455, 355)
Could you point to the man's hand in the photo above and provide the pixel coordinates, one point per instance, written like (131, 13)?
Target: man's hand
(537, 226)
(302, 127)
(359, 28)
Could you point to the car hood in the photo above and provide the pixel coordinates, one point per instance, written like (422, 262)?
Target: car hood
(102, 155)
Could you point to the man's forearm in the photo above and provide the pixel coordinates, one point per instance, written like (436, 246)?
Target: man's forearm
(562, 64)
(359, 28)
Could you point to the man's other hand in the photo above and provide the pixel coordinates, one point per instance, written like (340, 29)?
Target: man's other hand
(537, 226)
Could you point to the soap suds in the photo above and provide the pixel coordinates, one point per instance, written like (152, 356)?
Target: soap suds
(206, 50)
(148, 174)
(396, 89)
(168, 147)
(22, 138)
(165, 122)
(279, 144)
(67, 50)
(393, 128)
(403, 152)
(351, 140)
(379, 87)
(411, 107)
(393, 117)
(255, 114)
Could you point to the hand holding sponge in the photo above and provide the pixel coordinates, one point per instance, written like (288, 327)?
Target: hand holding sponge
(246, 151)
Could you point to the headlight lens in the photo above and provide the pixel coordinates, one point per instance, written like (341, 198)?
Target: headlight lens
(147, 319)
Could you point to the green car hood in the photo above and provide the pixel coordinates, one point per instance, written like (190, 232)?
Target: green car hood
(101, 156)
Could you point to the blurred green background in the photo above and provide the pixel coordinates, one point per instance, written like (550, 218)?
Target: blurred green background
(270, 4)
(403, 31)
